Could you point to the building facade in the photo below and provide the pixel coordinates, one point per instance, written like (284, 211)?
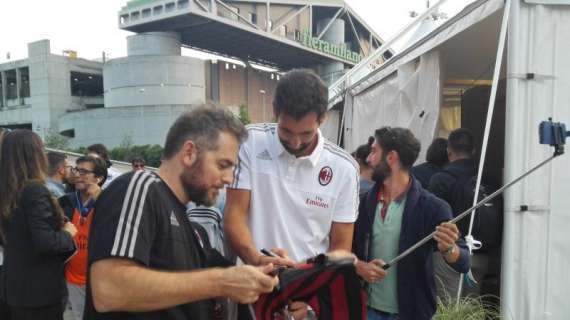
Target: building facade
(136, 98)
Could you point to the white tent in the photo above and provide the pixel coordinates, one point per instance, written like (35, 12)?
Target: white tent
(422, 88)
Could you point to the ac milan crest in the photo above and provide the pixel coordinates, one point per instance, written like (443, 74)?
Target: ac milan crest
(325, 176)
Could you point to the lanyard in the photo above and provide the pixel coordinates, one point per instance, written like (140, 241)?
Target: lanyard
(83, 209)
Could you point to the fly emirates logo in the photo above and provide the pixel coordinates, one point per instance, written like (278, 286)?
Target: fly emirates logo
(317, 202)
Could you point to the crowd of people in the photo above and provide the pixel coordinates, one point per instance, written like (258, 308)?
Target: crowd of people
(185, 242)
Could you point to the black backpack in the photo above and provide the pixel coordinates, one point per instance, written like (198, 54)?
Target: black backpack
(488, 222)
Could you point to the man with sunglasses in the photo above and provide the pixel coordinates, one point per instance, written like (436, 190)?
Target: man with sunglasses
(89, 175)
(394, 215)
(138, 164)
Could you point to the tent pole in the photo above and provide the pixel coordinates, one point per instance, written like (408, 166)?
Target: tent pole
(490, 110)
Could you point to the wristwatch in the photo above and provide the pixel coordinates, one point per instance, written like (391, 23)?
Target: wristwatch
(449, 251)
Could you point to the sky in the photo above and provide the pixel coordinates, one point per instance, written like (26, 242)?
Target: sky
(90, 27)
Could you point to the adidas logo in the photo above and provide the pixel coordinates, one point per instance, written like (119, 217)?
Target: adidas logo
(173, 220)
(264, 155)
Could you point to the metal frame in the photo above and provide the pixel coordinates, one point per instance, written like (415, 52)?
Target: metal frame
(354, 31)
(336, 15)
(344, 82)
(237, 14)
(296, 13)
(209, 9)
(202, 6)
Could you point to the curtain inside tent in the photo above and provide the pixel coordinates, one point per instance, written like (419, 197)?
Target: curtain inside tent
(410, 98)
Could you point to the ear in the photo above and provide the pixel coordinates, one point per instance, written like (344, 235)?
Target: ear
(61, 170)
(189, 153)
(322, 119)
(392, 157)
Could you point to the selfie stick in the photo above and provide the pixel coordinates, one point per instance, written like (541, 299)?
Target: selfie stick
(553, 134)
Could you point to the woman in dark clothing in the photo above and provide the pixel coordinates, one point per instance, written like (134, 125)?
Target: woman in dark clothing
(436, 159)
(361, 154)
(37, 238)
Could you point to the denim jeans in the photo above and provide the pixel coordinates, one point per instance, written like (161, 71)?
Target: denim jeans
(376, 315)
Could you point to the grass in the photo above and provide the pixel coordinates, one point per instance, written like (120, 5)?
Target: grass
(468, 308)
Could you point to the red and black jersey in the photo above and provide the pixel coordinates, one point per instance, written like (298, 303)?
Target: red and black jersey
(331, 288)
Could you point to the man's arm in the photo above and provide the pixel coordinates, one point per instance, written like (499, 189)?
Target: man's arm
(341, 236)
(125, 285)
(236, 216)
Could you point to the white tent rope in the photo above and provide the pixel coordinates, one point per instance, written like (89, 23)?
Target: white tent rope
(490, 110)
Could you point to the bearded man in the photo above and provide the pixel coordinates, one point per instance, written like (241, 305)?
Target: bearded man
(394, 215)
(146, 260)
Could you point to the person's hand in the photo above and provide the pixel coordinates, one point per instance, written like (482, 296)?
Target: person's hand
(93, 190)
(244, 284)
(281, 259)
(299, 310)
(70, 228)
(446, 235)
(371, 271)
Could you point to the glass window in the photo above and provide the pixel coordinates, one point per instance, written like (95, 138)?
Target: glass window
(11, 87)
(253, 18)
(25, 82)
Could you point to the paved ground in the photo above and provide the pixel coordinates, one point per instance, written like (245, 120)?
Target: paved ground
(68, 315)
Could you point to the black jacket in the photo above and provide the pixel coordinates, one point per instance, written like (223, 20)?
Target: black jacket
(415, 279)
(423, 172)
(35, 251)
(442, 183)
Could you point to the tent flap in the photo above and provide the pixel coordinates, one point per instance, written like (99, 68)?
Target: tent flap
(409, 99)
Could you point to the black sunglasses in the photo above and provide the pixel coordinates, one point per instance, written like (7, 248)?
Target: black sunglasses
(81, 171)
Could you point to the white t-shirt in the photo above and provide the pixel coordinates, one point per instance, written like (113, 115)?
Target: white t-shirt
(112, 173)
(294, 201)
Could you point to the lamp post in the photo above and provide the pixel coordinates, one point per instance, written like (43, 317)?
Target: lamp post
(263, 104)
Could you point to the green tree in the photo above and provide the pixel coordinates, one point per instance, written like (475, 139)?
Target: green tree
(54, 140)
(244, 114)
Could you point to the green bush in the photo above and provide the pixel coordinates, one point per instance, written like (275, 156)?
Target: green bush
(468, 308)
(150, 153)
(55, 140)
(244, 114)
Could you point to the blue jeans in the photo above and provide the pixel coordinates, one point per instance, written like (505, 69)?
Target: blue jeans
(378, 315)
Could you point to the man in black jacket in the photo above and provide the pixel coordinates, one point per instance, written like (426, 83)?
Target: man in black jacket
(460, 150)
(393, 216)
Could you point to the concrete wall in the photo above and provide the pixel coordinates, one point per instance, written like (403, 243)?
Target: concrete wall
(154, 73)
(243, 85)
(153, 80)
(112, 126)
(50, 88)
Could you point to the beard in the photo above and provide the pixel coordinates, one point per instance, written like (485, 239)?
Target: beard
(194, 187)
(296, 152)
(381, 171)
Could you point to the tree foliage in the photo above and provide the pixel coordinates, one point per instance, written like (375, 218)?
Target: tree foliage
(54, 140)
(244, 114)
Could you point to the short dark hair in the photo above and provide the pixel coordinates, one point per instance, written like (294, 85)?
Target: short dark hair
(400, 140)
(203, 126)
(362, 152)
(300, 92)
(437, 152)
(461, 141)
(99, 166)
(55, 160)
(101, 151)
(137, 160)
